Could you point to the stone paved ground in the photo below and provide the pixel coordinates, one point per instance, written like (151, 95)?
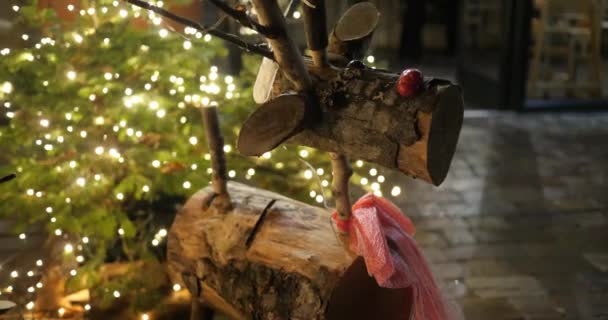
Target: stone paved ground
(519, 229)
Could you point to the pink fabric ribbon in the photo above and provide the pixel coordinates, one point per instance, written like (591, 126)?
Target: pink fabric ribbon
(383, 236)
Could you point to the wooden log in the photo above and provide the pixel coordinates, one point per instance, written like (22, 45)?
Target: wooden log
(315, 27)
(364, 117)
(353, 33)
(271, 257)
(255, 142)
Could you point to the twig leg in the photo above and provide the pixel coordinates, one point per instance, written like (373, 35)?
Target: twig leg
(215, 141)
(339, 186)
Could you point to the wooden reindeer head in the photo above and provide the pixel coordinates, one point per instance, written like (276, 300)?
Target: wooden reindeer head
(334, 102)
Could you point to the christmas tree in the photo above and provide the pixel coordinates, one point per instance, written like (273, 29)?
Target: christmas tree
(101, 123)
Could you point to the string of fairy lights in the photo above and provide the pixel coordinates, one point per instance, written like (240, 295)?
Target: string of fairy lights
(210, 86)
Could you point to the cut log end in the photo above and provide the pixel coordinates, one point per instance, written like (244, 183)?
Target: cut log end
(445, 130)
(357, 22)
(271, 257)
(271, 124)
(429, 158)
(6, 305)
(353, 32)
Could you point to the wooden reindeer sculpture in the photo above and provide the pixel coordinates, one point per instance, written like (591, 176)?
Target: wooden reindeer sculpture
(254, 254)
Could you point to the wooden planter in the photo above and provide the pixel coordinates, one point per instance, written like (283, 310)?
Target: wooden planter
(271, 257)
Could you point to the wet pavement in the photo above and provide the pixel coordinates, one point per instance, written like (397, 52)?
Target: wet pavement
(519, 229)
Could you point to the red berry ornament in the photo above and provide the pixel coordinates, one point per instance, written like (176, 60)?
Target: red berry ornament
(410, 82)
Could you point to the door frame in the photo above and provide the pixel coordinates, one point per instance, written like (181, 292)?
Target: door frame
(509, 89)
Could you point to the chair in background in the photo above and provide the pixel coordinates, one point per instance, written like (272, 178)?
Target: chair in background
(566, 35)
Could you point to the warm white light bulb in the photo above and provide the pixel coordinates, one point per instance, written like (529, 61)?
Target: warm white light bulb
(395, 191)
(308, 174)
(68, 248)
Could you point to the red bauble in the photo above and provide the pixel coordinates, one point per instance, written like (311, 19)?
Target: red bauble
(410, 82)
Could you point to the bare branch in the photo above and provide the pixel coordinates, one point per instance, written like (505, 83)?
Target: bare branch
(341, 171)
(248, 47)
(242, 17)
(290, 7)
(287, 54)
(315, 25)
(8, 177)
(215, 142)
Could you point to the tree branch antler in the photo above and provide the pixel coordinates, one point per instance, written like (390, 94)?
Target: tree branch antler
(246, 46)
(285, 50)
(291, 6)
(242, 17)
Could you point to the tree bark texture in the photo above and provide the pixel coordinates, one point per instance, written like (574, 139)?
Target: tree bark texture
(364, 117)
(271, 257)
(354, 31)
(215, 142)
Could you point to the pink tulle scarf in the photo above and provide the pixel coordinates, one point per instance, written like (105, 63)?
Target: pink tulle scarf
(383, 236)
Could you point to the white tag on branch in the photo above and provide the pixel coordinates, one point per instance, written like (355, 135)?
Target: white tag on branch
(263, 83)
(81, 296)
(6, 305)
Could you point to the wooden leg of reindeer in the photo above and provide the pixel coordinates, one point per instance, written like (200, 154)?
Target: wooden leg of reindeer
(215, 141)
(197, 310)
(341, 171)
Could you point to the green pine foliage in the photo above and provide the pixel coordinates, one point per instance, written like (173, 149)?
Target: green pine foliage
(100, 122)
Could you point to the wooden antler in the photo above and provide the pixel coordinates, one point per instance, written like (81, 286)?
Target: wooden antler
(247, 47)
(354, 31)
(285, 50)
